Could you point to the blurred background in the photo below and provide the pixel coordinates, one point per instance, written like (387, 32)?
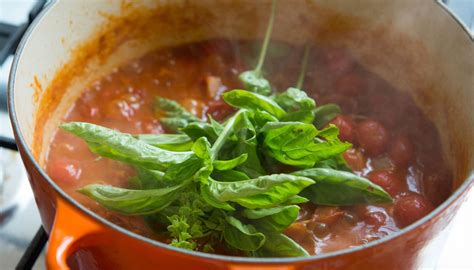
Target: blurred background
(19, 218)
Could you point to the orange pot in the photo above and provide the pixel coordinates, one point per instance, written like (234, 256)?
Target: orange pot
(421, 49)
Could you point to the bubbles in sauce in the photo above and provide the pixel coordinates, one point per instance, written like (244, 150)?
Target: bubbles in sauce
(395, 145)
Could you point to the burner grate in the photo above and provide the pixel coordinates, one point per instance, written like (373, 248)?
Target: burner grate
(10, 36)
(39, 241)
(33, 251)
(8, 143)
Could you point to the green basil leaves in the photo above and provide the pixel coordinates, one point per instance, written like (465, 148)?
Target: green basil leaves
(335, 187)
(221, 182)
(297, 144)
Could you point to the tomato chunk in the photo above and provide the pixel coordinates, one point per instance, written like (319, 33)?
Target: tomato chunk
(388, 180)
(375, 218)
(219, 110)
(327, 214)
(323, 218)
(371, 215)
(372, 137)
(298, 232)
(355, 159)
(346, 127)
(410, 208)
(306, 211)
(401, 151)
(214, 86)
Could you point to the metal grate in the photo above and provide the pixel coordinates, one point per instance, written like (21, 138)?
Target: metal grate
(39, 241)
(10, 36)
(33, 251)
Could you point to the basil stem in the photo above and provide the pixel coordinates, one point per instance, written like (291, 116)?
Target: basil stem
(304, 67)
(266, 41)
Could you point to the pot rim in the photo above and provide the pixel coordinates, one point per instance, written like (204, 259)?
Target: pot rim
(27, 151)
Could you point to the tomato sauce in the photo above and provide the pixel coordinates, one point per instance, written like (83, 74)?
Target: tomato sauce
(394, 143)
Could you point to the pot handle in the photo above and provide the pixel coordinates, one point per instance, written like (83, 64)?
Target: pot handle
(70, 226)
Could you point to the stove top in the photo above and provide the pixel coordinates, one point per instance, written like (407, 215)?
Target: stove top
(19, 217)
(22, 239)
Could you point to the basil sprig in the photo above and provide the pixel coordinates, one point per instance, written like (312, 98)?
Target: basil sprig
(220, 181)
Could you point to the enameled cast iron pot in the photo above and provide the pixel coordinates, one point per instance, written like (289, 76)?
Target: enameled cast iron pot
(417, 46)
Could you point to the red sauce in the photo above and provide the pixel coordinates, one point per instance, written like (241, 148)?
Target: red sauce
(395, 145)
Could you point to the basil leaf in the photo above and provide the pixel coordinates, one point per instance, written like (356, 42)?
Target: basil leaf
(241, 236)
(197, 130)
(297, 104)
(240, 137)
(216, 125)
(246, 143)
(172, 142)
(202, 149)
(262, 117)
(223, 165)
(175, 116)
(253, 81)
(265, 212)
(306, 116)
(229, 176)
(336, 163)
(129, 201)
(296, 200)
(211, 200)
(185, 170)
(325, 113)
(295, 143)
(225, 134)
(124, 147)
(275, 219)
(203, 174)
(334, 187)
(148, 179)
(280, 245)
(261, 192)
(252, 101)
(330, 133)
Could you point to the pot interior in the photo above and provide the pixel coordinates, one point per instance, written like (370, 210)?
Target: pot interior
(76, 43)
